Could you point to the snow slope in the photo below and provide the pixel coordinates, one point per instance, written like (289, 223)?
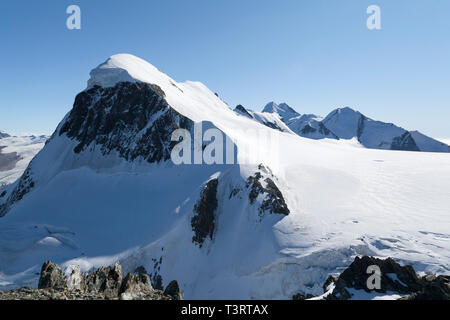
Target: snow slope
(25, 147)
(96, 206)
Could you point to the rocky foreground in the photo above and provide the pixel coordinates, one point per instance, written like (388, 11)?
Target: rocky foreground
(105, 283)
(393, 279)
(108, 283)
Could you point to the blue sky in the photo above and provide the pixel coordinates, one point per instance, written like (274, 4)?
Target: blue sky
(315, 55)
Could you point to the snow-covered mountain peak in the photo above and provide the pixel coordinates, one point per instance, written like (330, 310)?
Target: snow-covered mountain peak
(344, 122)
(192, 99)
(283, 110)
(126, 68)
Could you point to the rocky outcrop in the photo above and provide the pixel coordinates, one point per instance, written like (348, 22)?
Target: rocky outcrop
(433, 288)
(105, 283)
(203, 223)
(301, 296)
(241, 110)
(52, 276)
(173, 291)
(393, 279)
(261, 184)
(24, 185)
(138, 286)
(132, 119)
(105, 280)
(405, 142)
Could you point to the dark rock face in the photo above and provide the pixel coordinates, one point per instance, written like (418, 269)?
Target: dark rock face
(132, 119)
(394, 278)
(356, 276)
(324, 131)
(104, 283)
(272, 125)
(307, 129)
(405, 142)
(24, 185)
(330, 280)
(273, 201)
(240, 109)
(52, 276)
(157, 281)
(203, 222)
(173, 291)
(434, 288)
(301, 296)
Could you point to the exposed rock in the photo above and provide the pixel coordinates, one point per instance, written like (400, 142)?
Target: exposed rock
(106, 280)
(52, 276)
(24, 185)
(203, 222)
(301, 296)
(394, 278)
(241, 110)
(173, 291)
(356, 277)
(119, 118)
(326, 286)
(273, 201)
(404, 142)
(101, 284)
(140, 270)
(434, 288)
(76, 280)
(157, 281)
(136, 286)
(48, 294)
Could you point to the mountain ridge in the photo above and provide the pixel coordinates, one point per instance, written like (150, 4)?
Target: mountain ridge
(347, 123)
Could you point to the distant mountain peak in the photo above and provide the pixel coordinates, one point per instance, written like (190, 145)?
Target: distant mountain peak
(344, 110)
(283, 110)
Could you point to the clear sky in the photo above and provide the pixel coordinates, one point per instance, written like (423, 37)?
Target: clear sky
(315, 55)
